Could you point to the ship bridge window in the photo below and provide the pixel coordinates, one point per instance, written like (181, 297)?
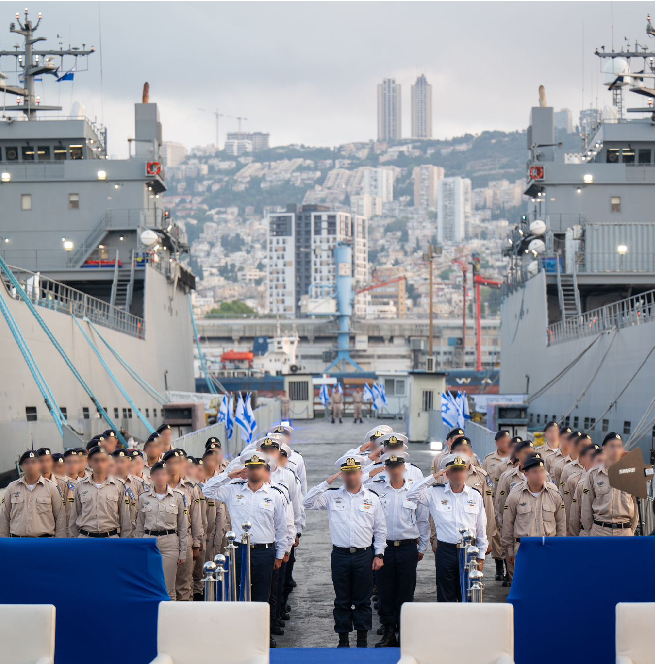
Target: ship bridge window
(613, 156)
(26, 202)
(43, 153)
(73, 201)
(77, 151)
(30, 413)
(60, 153)
(615, 203)
(628, 156)
(644, 156)
(27, 153)
(626, 427)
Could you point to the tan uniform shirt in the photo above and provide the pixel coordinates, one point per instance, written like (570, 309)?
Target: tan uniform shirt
(492, 464)
(528, 516)
(574, 528)
(508, 480)
(100, 509)
(557, 468)
(568, 482)
(134, 487)
(547, 453)
(192, 496)
(33, 512)
(600, 502)
(169, 513)
(551, 458)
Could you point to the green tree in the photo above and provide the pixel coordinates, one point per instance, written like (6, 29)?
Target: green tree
(232, 308)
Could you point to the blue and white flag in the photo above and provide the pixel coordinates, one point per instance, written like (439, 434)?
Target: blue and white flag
(383, 394)
(229, 421)
(369, 395)
(448, 410)
(222, 411)
(377, 397)
(324, 395)
(68, 76)
(462, 409)
(339, 388)
(241, 420)
(250, 416)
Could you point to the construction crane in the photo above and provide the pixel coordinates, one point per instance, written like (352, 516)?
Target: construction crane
(217, 115)
(239, 118)
(384, 283)
(478, 281)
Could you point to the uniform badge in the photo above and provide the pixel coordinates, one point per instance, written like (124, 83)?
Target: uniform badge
(601, 483)
(444, 502)
(471, 503)
(489, 482)
(523, 504)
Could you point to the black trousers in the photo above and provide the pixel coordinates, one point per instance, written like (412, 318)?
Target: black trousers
(261, 572)
(276, 599)
(289, 574)
(352, 578)
(446, 560)
(396, 581)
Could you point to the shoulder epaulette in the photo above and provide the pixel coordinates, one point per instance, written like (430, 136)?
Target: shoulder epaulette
(413, 464)
(438, 486)
(296, 451)
(277, 488)
(238, 482)
(375, 492)
(333, 488)
(378, 481)
(476, 489)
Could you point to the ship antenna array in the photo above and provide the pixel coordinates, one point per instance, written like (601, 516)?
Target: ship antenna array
(32, 63)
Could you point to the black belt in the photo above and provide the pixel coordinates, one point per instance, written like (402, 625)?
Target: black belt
(111, 533)
(408, 542)
(160, 533)
(30, 536)
(518, 539)
(446, 544)
(262, 546)
(351, 549)
(613, 526)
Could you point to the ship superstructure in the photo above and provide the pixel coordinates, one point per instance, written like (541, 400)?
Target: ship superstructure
(577, 317)
(91, 241)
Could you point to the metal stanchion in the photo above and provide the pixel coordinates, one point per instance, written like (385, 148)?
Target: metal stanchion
(476, 585)
(472, 553)
(462, 545)
(221, 587)
(245, 594)
(209, 581)
(232, 575)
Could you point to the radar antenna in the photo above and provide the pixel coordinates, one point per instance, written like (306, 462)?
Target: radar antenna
(33, 63)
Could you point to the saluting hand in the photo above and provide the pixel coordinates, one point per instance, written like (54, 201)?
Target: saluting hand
(241, 474)
(376, 471)
(331, 479)
(378, 563)
(438, 474)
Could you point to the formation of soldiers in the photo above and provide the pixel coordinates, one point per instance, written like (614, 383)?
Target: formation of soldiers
(382, 518)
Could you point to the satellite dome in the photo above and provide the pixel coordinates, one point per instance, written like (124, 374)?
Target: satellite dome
(614, 68)
(149, 238)
(538, 246)
(537, 227)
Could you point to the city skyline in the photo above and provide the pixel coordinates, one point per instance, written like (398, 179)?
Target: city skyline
(327, 97)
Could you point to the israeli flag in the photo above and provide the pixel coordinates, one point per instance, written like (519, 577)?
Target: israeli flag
(377, 399)
(339, 388)
(383, 394)
(222, 411)
(241, 419)
(250, 416)
(448, 410)
(369, 395)
(324, 395)
(229, 422)
(462, 409)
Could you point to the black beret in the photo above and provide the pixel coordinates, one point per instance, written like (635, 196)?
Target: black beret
(522, 445)
(564, 431)
(213, 443)
(43, 451)
(30, 454)
(58, 458)
(575, 434)
(612, 435)
(583, 437)
(110, 433)
(96, 450)
(550, 424)
(151, 439)
(94, 442)
(462, 441)
(455, 432)
(534, 461)
(516, 439)
(172, 454)
(163, 427)
(71, 452)
(82, 451)
(196, 461)
(160, 465)
(135, 454)
(121, 453)
(501, 434)
(589, 448)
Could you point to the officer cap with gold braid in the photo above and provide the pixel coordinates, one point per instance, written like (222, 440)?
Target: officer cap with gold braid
(269, 443)
(394, 458)
(256, 460)
(350, 462)
(395, 441)
(378, 432)
(454, 461)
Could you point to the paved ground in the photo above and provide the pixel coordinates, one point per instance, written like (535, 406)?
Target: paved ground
(311, 626)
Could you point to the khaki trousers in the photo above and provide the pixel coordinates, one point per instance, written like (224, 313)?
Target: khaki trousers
(169, 547)
(184, 576)
(198, 572)
(601, 531)
(358, 410)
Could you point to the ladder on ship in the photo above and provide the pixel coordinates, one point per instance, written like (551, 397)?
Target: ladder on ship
(123, 285)
(569, 295)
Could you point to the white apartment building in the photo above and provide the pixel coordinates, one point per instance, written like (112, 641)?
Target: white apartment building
(365, 205)
(378, 182)
(453, 209)
(389, 110)
(426, 185)
(280, 267)
(421, 108)
(173, 153)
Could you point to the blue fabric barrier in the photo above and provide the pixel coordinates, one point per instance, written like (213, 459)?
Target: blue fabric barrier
(335, 656)
(107, 593)
(577, 581)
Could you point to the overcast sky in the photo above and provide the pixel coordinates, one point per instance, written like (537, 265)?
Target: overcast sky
(307, 71)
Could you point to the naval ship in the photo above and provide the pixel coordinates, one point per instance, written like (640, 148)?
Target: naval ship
(96, 324)
(579, 305)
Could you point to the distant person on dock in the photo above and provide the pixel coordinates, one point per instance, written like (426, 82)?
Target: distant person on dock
(336, 403)
(285, 405)
(358, 404)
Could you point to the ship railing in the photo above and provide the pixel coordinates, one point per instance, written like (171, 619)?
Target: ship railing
(595, 262)
(51, 294)
(635, 310)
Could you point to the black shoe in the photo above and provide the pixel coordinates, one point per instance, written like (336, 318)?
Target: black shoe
(500, 572)
(284, 617)
(343, 640)
(362, 638)
(287, 608)
(277, 630)
(198, 597)
(272, 643)
(281, 623)
(380, 630)
(333, 420)
(340, 421)
(388, 639)
(506, 582)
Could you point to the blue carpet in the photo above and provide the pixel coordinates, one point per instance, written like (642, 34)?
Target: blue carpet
(335, 655)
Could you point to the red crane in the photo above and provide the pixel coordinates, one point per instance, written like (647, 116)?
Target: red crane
(384, 283)
(477, 282)
(465, 268)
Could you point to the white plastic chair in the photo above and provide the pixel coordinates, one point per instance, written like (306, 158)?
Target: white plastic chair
(427, 632)
(27, 633)
(225, 632)
(634, 641)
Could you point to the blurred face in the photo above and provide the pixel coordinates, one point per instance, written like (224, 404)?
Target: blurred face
(110, 444)
(536, 476)
(190, 469)
(122, 466)
(598, 460)
(612, 451)
(166, 438)
(159, 478)
(586, 459)
(503, 445)
(464, 450)
(31, 468)
(153, 450)
(211, 463)
(100, 463)
(565, 445)
(272, 452)
(46, 464)
(397, 472)
(175, 465)
(71, 465)
(523, 454)
(257, 474)
(137, 465)
(352, 479)
(456, 476)
(551, 434)
(111, 468)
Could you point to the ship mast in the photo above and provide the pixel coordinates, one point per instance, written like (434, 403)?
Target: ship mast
(33, 63)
